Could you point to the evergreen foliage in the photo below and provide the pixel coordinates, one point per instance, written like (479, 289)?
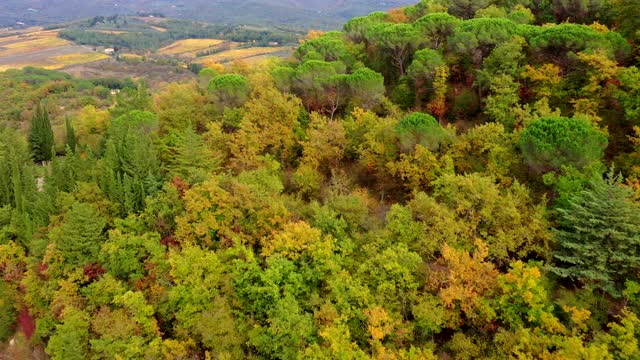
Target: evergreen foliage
(418, 186)
(550, 142)
(71, 134)
(599, 236)
(81, 235)
(422, 129)
(41, 135)
(7, 311)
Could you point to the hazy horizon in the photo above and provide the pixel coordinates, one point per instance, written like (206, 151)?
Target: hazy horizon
(293, 13)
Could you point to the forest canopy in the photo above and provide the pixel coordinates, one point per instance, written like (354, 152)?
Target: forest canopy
(456, 179)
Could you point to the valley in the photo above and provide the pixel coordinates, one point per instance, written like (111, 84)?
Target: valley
(158, 50)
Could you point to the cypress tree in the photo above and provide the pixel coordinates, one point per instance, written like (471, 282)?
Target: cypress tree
(599, 237)
(71, 134)
(41, 135)
(81, 235)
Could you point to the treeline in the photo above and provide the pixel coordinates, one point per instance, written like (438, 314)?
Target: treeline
(436, 182)
(134, 34)
(21, 90)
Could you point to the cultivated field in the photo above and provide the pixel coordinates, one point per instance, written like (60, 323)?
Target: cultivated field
(75, 59)
(130, 56)
(112, 32)
(246, 54)
(190, 47)
(157, 28)
(42, 49)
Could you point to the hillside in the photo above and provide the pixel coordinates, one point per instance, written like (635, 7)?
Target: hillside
(158, 49)
(452, 180)
(293, 13)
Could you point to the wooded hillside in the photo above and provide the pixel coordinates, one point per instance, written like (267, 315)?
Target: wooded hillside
(457, 179)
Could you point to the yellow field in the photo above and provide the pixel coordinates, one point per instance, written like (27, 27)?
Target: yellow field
(74, 59)
(32, 46)
(29, 43)
(157, 28)
(241, 54)
(131, 56)
(189, 47)
(20, 66)
(112, 32)
(22, 32)
(43, 49)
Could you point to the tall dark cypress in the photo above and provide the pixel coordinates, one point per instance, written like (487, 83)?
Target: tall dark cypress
(41, 135)
(71, 134)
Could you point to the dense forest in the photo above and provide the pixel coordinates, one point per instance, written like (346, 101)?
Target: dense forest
(457, 179)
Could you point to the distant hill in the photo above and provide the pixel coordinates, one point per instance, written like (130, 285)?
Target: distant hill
(325, 14)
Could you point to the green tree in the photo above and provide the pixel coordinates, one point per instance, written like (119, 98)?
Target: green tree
(70, 340)
(629, 93)
(18, 193)
(436, 28)
(476, 38)
(230, 90)
(524, 299)
(627, 13)
(466, 9)
(80, 236)
(319, 85)
(188, 157)
(400, 40)
(41, 135)
(599, 236)
(18, 185)
(420, 128)
(623, 336)
(503, 105)
(391, 274)
(470, 207)
(551, 142)
(127, 256)
(130, 169)
(90, 126)
(366, 88)
(358, 27)
(127, 329)
(130, 99)
(423, 70)
(556, 42)
(290, 329)
(331, 46)
(71, 134)
(182, 106)
(7, 310)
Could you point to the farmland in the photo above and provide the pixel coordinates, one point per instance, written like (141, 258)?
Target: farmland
(246, 54)
(43, 49)
(54, 49)
(75, 59)
(191, 47)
